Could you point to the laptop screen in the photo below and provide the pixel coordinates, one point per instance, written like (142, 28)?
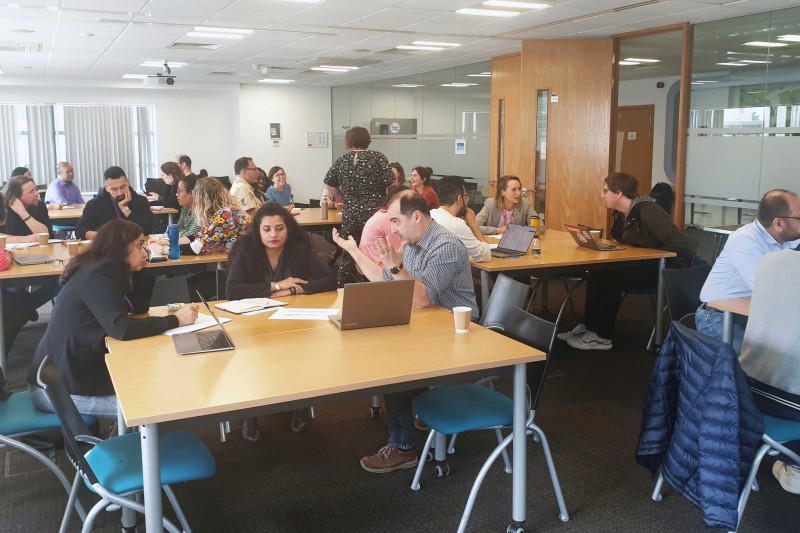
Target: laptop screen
(517, 238)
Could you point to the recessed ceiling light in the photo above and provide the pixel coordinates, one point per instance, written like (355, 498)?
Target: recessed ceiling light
(704, 81)
(209, 35)
(419, 48)
(432, 43)
(275, 80)
(134, 76)
(480, 75)
(215, 29)
(732, 64)
(521, 5)
(629, 63)
(458, 84)
(52, 8)
(157, 63)
(487, 12)
(790, 38)
(755, 61)
(765, 44)
(641, 60)
(330, 69)
(407, 85)
(303, 1)
(87, 35)
(21, 30)
(345, 67)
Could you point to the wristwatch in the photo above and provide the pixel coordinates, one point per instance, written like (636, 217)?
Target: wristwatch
(396, 269)
(277, 287)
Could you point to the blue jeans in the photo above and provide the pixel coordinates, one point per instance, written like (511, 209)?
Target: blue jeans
(709, 322)
(99, 406)
(400, 419)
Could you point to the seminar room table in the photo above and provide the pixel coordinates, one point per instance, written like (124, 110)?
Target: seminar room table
(74, 213)
(559, 250)
(310, 218)
(260, 375)
(730, 307)
(33, 274)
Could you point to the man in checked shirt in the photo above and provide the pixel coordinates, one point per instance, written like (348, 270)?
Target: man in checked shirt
(439, 264)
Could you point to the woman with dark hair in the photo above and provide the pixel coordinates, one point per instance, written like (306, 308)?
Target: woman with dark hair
(420, 178)
(398, 173)
(363, 176)
(184, 194)
(507, 207)
(280, 191)
(25, 214)
(99, 294)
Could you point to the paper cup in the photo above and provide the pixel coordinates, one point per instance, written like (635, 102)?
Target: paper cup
(43, 238)
(2, 242)
(595, 233)
(462, 317)
(72, 248)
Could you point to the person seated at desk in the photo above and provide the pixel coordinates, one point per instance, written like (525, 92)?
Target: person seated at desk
(21, 171)
(398, 173)
(507, 207)
(420, 182)
(170, 174)
(243, 186)
(62, 190)
(439, 264)
(262, 184)
(115, 200)
(380, 227)
(98, 296)
(218, 215)
(274, 259)
(279, 192)
(777, 227)
(637, 221)
(455, 216)
(184, 193)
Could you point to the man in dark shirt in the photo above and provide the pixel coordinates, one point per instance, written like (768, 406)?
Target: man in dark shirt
(115, 200)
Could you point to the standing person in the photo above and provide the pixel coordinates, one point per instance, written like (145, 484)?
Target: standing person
(242, 187)
(398, 173)
(25, 214)
(63, 191)
(420, 182)
(507, 207)
(363, 176)
(98, 297)
(637, 221)
(116, 199)
(279, 192)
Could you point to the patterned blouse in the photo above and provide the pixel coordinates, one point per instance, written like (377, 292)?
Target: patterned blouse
(222, 231)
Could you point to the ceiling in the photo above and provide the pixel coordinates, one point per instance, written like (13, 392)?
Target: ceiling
(105, 40)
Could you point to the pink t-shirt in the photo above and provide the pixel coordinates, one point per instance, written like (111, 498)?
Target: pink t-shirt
(376, 227)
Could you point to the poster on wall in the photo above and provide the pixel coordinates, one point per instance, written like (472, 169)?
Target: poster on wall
(461, 147)
(274, 131)
(317, 139)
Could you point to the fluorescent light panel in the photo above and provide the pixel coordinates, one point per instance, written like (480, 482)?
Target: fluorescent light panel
(765, 44)
(345, 67)
(214, 29)
(642, 60)
(275, 80)
(480, 75)
(487, 12)
(303, 1)
(407, 85)
(627, 63)
(790, 38)
(520, 5)
(419, 48)
(432, 43)
(159, 63)
(755, 61)
(458, 84)
(208, 35)
(732, 64)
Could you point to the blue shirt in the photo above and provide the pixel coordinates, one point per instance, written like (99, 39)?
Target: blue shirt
(283, 197)
(734, 273)
(61, 192)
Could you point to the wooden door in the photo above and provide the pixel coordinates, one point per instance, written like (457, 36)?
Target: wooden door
(635, 144)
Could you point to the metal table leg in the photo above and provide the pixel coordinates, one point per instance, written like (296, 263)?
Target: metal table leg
(151, 470)
(129, 518)
(727, 327)
(660, 302)
(518, 502)
(484, 289)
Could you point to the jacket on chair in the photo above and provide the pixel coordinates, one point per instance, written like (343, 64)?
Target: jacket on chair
(700, 421)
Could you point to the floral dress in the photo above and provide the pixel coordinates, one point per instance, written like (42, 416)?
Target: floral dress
(363, 176)
(223, 230)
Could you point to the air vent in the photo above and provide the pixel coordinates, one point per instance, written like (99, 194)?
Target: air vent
(25, 48)
(195, 46)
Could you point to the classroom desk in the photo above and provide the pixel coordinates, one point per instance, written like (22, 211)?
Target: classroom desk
(730, 307)
(75, 212)
(59, 251)
(261, 374)
(560, 250)
(311, 218)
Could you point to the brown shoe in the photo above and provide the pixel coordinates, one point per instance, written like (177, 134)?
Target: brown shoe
(388, 459)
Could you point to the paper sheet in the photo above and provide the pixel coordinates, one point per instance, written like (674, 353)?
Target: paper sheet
(203, 321)
(294, 313)
(18, 245)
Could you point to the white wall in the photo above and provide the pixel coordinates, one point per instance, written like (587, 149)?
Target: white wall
(298, 110)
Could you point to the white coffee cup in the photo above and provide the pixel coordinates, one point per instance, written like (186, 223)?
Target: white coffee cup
(462, 317)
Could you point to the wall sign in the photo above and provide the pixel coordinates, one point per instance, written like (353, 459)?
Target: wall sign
(274, 130)
(317, 139)
(461, 147)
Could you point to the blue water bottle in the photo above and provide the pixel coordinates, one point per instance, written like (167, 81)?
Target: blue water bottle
(174, 245)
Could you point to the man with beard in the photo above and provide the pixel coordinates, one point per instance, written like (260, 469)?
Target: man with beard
(115, 200)
(454, 215)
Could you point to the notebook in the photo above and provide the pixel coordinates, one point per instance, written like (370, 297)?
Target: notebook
(374, 304)
(584, 239)
(249, 304)
(515, 241)
(204, 341)
(26, 260)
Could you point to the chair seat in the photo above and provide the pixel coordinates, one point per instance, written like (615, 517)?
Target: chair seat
(117, 462)
(459, 408)
(18, 415)
(781, 429)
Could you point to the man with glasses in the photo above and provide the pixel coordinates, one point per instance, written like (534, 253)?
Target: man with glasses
(116, 199)
(777, 227)
(454, 215)
(242, 188)
(63, 191)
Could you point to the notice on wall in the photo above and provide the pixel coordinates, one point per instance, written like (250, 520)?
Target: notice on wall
(631, 135)
(274, 130)
(461, 147)
(317, 139)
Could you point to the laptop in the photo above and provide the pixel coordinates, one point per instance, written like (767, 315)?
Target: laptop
(204, 341)
(374, 304)
(584, 239)
(26, 260)
(515, 241)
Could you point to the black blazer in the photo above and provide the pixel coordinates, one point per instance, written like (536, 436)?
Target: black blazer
(100, 210)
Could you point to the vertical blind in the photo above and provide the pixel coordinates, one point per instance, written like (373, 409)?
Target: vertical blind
(41, 143)
(9, 137)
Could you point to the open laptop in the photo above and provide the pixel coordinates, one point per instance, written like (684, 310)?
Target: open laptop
(378, 303)
(25, 260)
(584, 239)
(515, 241)
(204, 341)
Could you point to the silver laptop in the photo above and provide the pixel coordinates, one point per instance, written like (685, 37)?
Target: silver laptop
(515, 241)
(584, 239)
(25, 260)
(374, 304)
(204, 341)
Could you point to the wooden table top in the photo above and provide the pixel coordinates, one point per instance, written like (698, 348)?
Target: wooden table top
(75, 212)
(312, 216)
(279, 361)
(725, 230)
(560, 250)
(59, 251)
(740, 306)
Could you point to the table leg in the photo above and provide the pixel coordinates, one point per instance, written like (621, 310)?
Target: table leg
(151, 470)
(3, 353)
(484, 289)
(518, 502)
(170, 218)
(129, 519)
(660, 302)
(727, 327)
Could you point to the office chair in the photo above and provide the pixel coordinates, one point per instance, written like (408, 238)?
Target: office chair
(68, 230)
(454, 409)
(682, 289)
(170, 290)
(506, 294)
(112, 468)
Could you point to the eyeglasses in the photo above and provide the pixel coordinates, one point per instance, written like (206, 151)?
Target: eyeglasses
(56, 263)
(796, 218)
(279, 175)
(180, 191)
(251, 168)
(466, 197)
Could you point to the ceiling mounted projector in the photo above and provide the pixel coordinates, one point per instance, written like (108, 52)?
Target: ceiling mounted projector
(159, 80)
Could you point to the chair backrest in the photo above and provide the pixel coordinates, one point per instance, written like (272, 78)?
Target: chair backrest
(169, 291)
(226, 181)
(506, 294)
(313, 202)
(682, 288)
(664, 196)
(72, 424)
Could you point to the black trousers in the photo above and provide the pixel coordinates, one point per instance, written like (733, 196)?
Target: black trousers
(604, 290)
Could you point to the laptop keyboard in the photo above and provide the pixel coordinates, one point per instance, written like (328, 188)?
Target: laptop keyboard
(211, 340)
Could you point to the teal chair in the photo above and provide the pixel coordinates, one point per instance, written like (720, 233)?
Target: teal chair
(112, 468)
